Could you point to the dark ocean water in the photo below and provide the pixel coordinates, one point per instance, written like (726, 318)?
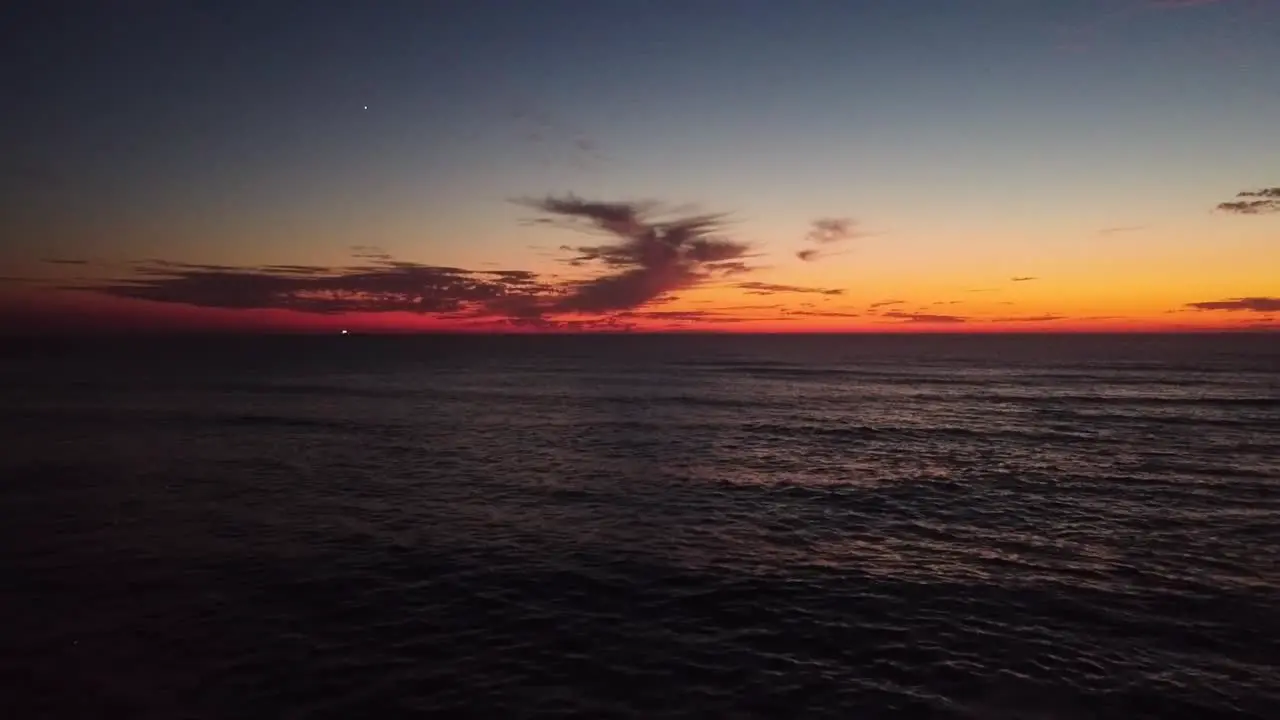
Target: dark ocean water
(641, 527)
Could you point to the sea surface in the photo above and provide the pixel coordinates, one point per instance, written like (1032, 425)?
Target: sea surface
(641, 527)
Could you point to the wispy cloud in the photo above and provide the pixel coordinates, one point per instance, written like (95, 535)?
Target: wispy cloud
(1247, 304)
(1029, 318)
(1254, 202)
(300, 269)
(825, 232)
(926, 317)
(740, 308)
(685, 316)
(369, 252)
(730, 268)
(822, 313)
(64, 261)
(1121, 229)
(771, 288)
(885, 303)
(1023, 279)
(610, 323)
(553, 138)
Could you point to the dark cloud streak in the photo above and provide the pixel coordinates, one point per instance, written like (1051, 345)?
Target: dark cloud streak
(771, 288)
(1029, 318)
(379, 287)
(1245, 304)
(925, 317)
(822, 313)
(1253, 202)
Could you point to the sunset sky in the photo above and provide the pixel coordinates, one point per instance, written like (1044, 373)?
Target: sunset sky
(936, 165)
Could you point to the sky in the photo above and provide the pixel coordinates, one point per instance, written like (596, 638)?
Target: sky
(575, 165)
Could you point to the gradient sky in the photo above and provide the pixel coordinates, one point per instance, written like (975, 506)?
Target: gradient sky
(1095, 149)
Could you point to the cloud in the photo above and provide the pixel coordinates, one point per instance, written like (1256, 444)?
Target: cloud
(925, 317)
(64, 261)
(674, 314)
(369, 252)
(1029, 318)
(1247, 304)
(378, 287)
(1023, 279)
(1260, 324)
(885, 303)
(1255, 202)
(730, 268)
(560, 138)
(649, 257)
(739, 308)
(825, 232)
(605, 324)
(762, 288)
(701, 316)
(297, 269)
(822, 313)
(1121, 229)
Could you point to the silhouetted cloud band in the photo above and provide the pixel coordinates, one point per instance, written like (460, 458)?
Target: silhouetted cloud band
(1249, 304)
(1253, 202)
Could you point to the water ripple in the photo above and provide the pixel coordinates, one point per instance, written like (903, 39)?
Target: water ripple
(577, 532)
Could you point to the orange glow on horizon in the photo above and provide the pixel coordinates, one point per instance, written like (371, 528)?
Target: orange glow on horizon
(83, 312)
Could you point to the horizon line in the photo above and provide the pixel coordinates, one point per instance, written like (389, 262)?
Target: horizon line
(213, 332)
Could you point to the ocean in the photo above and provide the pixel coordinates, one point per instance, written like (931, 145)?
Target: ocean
(641, 526)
